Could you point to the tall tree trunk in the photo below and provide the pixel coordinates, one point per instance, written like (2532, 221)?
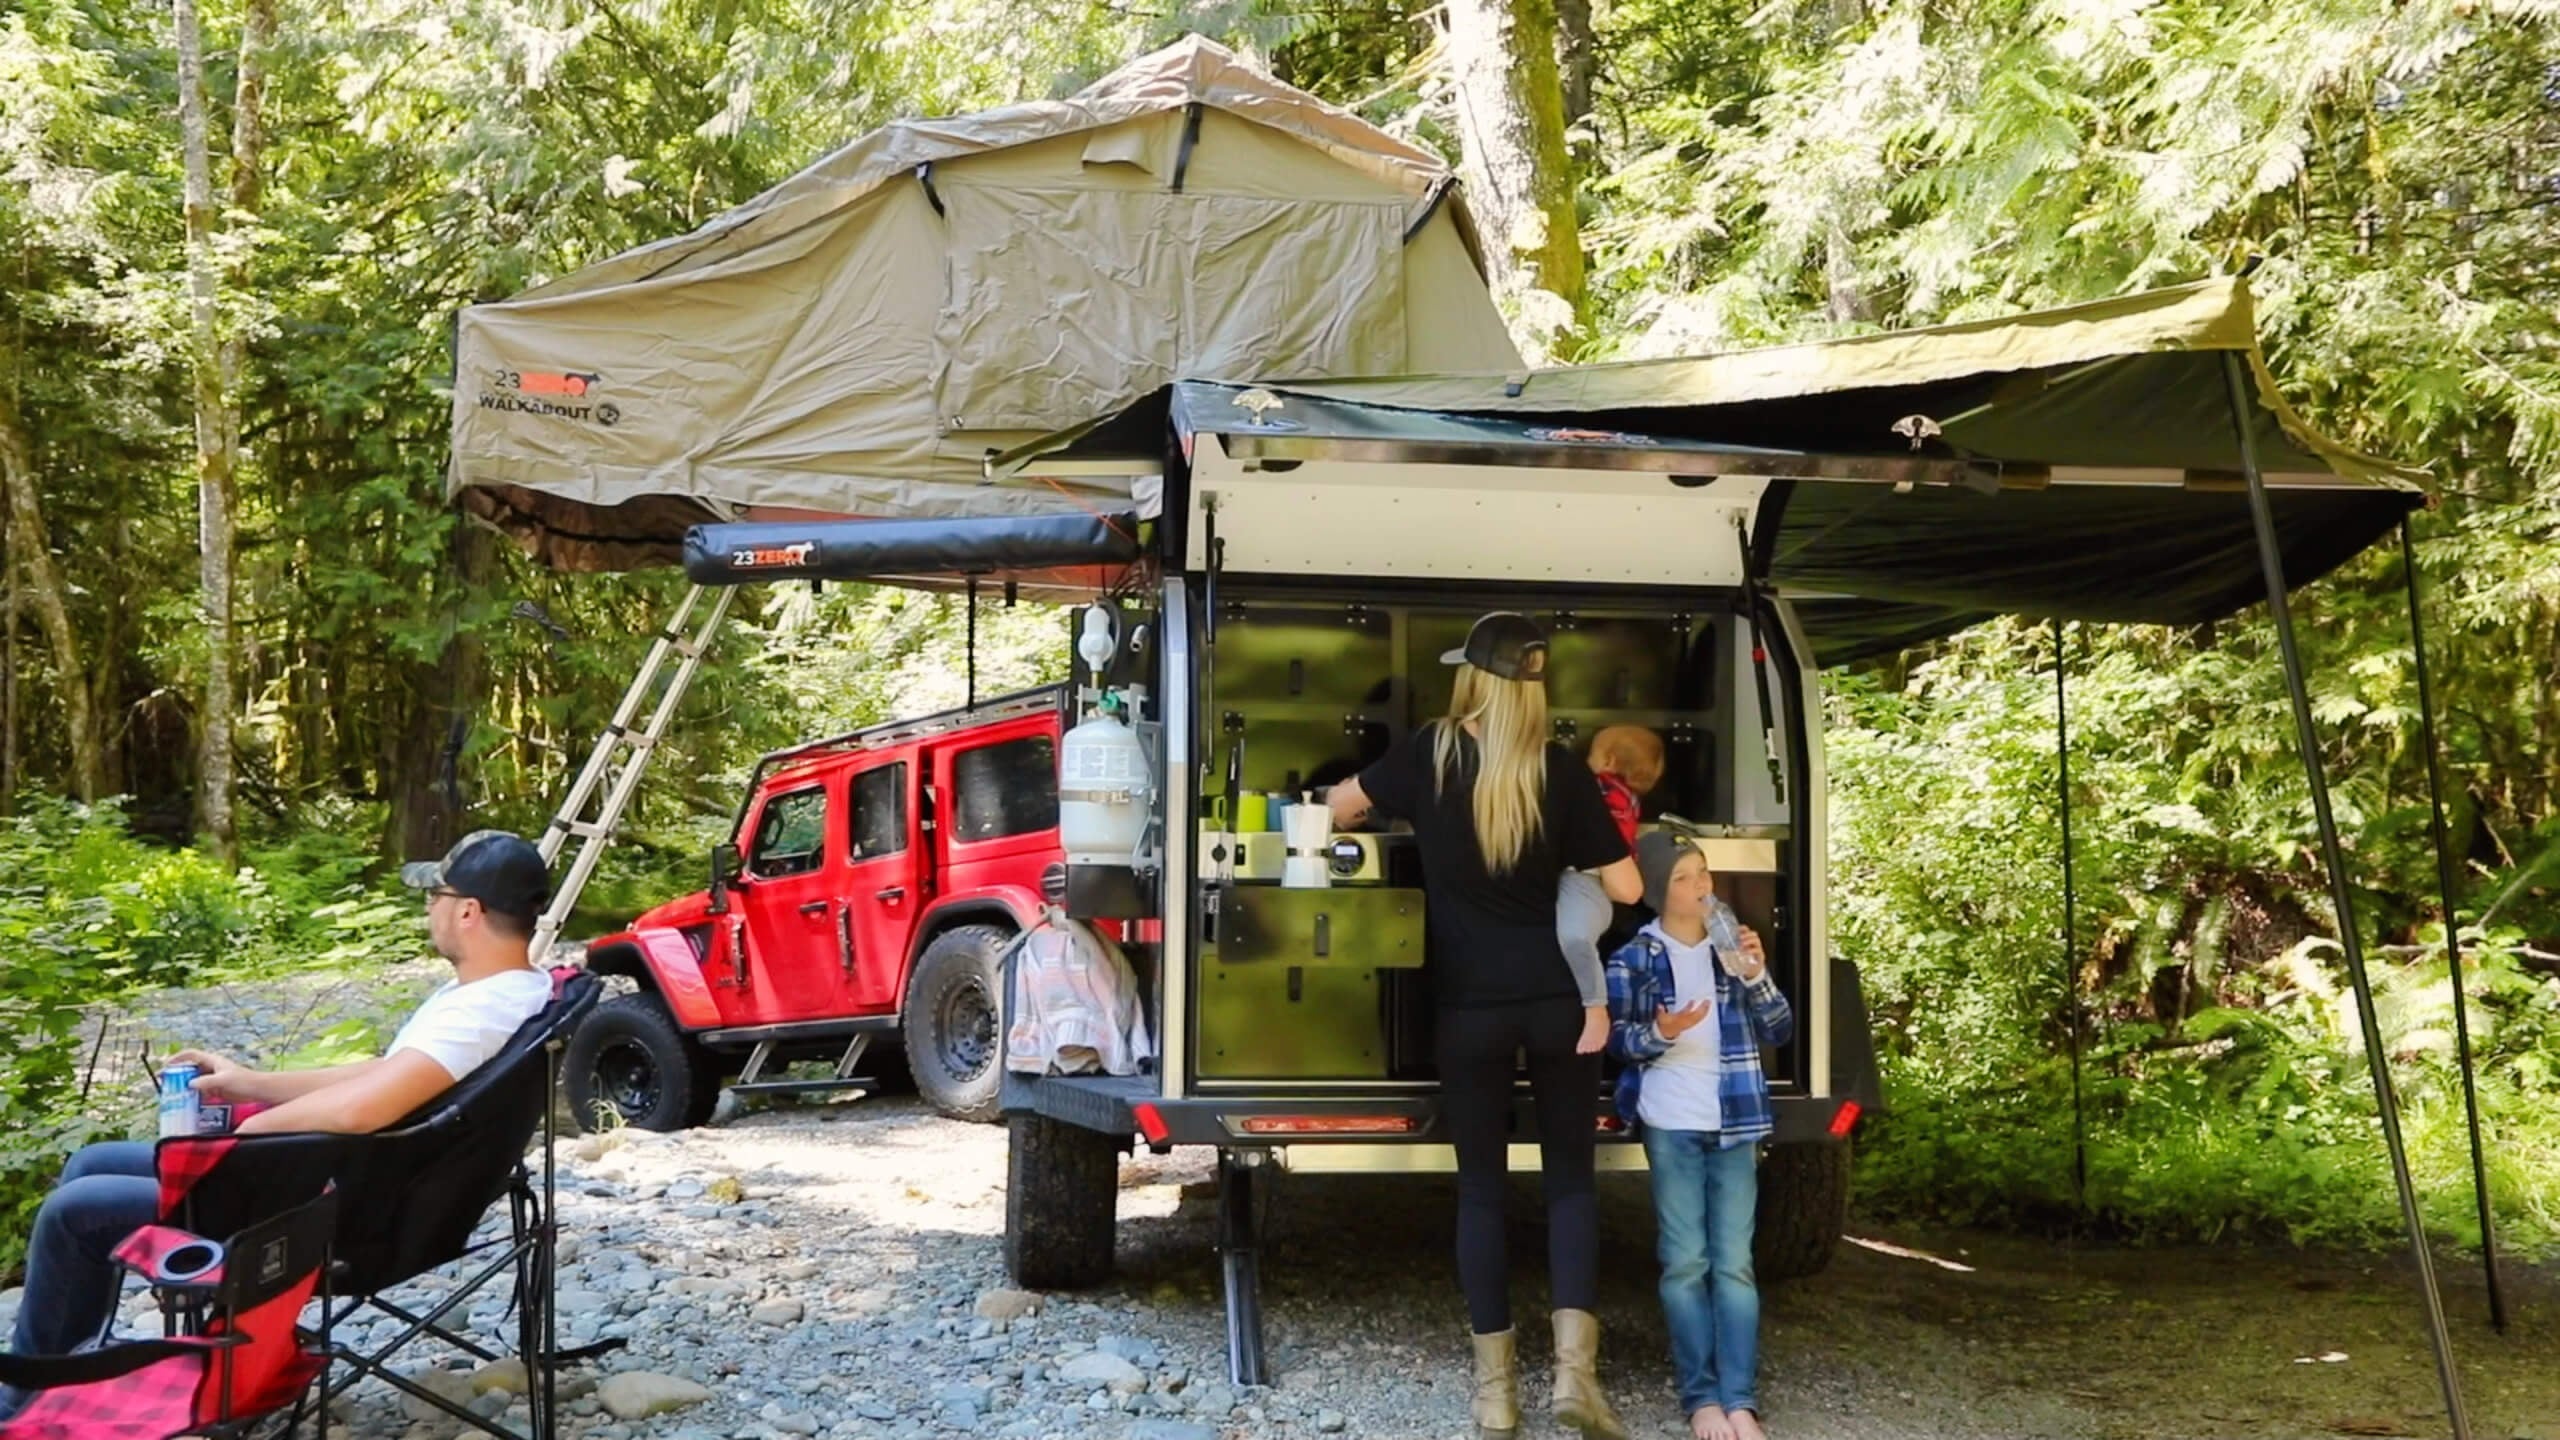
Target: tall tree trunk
(216, 361)
(1578, 64)
(45, 588)
(8, 671)
(424, 777)
(1502, 54)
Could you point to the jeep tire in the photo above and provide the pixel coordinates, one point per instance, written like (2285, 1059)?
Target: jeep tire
(1061, 1203)
(1804, 1206)
(629, 1056)
(954, 1036)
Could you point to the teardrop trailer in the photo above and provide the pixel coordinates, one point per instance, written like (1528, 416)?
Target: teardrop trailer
(1703, 536)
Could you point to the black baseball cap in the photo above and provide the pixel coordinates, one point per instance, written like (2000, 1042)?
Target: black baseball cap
(498, 869)
(1505, 644)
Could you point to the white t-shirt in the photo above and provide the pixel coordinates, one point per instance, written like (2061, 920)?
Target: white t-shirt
(461, 1026)
(1681, 1084)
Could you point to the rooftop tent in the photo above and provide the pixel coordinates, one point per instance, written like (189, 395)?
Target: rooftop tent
(855, 341)
(2078, 463)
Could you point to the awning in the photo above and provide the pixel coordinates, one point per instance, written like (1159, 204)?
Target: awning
(1043, 546)
(2079, 463)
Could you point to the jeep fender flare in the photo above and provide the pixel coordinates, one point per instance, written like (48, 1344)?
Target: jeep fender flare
(1016, 907)
(662, 960)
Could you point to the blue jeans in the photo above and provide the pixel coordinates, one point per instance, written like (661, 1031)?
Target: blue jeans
(1704, 1197)
(108, 1191)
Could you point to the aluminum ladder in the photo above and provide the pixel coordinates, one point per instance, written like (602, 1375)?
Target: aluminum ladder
(594, 808)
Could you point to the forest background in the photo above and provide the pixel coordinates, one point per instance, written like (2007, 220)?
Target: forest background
(248, 654)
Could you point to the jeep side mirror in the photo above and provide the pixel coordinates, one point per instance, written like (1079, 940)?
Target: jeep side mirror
(724, 872)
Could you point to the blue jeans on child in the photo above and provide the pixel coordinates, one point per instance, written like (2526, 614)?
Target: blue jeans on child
(108, 1191)
(1704, 1198)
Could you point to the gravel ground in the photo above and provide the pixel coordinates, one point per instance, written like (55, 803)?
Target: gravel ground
(832, 1270)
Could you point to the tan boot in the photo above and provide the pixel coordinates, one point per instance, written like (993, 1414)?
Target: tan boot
(1579, 1405)
(1497, 1402)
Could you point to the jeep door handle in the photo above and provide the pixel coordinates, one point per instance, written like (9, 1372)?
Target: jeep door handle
(814, 907)
(894, 892)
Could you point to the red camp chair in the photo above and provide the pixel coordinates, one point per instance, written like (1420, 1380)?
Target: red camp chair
(244, 1359)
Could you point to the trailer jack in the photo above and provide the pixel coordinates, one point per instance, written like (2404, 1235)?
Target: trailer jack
(1240, 1180)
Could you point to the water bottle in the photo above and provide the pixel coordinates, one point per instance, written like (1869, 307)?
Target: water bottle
(1724, 932)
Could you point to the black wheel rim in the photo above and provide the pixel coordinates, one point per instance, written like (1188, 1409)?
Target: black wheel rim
(965, 1026)
(627, 1079)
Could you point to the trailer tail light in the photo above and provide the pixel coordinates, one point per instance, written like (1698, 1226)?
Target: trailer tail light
(1611, 1125)
(1844, 1119)
(1151, 1123)
(1328, 1125)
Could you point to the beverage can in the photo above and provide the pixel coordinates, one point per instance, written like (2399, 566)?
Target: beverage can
(180, 1106)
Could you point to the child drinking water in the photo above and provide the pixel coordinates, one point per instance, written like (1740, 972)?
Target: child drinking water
(1691, 1002)
(1627, 759)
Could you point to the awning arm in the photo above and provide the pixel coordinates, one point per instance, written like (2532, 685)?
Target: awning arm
(2333, 857)
(2070, 923)
(2452, 931)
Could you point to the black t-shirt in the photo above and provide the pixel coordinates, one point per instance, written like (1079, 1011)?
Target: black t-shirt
(1493, 937)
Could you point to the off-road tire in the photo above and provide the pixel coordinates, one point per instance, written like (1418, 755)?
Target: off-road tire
(952, 1025)
(630, 1055)
(1061, 1203)
(1804, 1206)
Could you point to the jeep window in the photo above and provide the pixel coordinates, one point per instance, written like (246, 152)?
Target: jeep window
(1007, 789)
(791, 835)
(880, 811)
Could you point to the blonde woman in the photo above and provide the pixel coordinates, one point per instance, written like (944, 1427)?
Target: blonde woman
(1499, 813)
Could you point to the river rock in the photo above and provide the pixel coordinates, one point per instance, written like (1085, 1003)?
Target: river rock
(639, 1394)
(1007, 1305)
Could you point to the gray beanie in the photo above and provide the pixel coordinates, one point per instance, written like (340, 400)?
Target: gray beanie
(1657, 851)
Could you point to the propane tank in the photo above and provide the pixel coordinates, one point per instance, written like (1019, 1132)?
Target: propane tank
(1102, 790)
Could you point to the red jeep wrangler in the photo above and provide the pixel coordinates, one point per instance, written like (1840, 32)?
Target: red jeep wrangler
(872, 883)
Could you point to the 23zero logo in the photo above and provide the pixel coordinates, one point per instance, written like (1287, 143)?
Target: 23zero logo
(571, 383)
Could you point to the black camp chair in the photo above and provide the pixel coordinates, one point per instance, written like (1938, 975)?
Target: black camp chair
(409, 1201)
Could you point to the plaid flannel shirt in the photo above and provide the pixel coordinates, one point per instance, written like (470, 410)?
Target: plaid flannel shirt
(1748, 1016)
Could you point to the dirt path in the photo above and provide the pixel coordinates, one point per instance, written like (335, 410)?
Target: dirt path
(2026, 1339)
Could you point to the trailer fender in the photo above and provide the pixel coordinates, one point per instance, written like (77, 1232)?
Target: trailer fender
(663, 960)
(1853, 1041)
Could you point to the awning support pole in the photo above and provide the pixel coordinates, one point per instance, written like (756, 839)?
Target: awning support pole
(2445, 883)
(2070, 926)
(973, 642)
(2307, 735)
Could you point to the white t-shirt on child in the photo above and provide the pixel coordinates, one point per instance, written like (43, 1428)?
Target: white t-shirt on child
(462, 1026)
(1683, 1086)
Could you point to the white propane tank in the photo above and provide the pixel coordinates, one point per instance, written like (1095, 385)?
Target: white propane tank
(1102, 792)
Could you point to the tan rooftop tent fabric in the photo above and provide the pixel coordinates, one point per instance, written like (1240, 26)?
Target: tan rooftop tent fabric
(856, 340)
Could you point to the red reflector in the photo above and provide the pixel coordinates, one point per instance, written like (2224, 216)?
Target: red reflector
(1150, 1123)
(1327, 1125)
(1843, 1119)
(1611, 1124)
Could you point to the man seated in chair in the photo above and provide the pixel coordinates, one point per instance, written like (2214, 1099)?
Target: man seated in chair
(482, 901)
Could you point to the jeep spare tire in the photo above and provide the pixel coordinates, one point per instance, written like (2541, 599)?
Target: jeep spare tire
(629, 1057)
(952, 1025)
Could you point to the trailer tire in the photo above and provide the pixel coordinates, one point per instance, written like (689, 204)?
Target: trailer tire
(629, 1056)
(1804, 1207)
(1061, 1203)
(954, 1041)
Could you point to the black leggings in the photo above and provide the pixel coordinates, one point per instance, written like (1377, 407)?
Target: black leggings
(1476, 1048)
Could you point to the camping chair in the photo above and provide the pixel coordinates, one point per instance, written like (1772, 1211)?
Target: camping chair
(410, 1199)
(244, 1360)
